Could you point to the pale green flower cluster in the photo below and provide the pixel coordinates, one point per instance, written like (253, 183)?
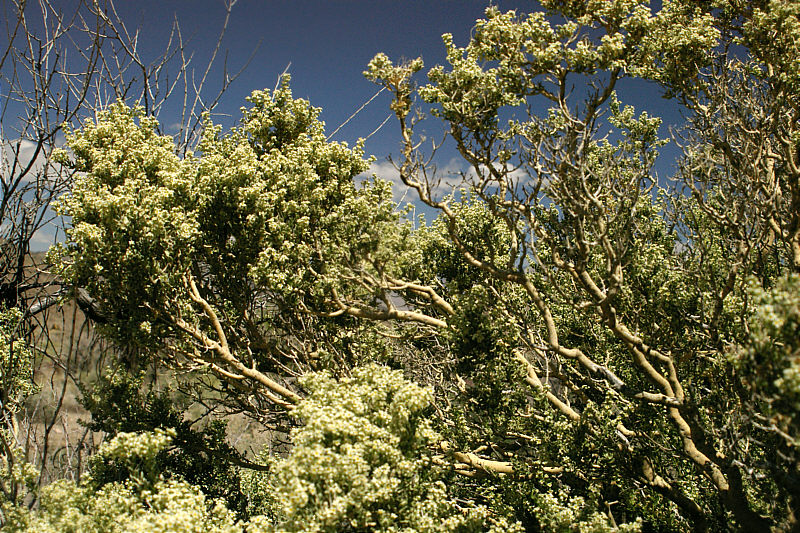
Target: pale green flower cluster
(170, 507)
(16, 362)
(144, 446)
(507, 53)
(771, 33)
(775, 341)
(17, 477)
(559, 512)
(270, 207)
(137, 453)
(132, 233)
(674, 42)
(360, 461)
(138, 505)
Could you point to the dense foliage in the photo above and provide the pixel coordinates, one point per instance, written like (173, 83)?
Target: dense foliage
(575, 344)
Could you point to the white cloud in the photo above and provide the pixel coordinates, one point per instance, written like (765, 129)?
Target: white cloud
(17, 154)
(386, 171)
(48, 235)
(448, 176)
(43, 238)
(515, 178)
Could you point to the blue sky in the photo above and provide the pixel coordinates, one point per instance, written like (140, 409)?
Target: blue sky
(328, 44)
